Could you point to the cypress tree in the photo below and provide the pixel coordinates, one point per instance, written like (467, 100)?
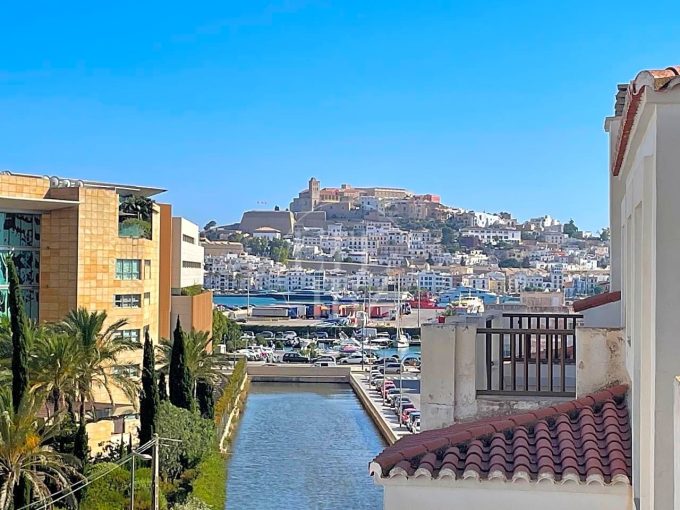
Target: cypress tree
(18, 321)
(148, 399)
(162, 387)
(206, 401)
(17, 318)
(181, 383)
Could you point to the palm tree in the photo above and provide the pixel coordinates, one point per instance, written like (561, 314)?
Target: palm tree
(101, 349)
(55, 365)
(24, 454)
(203, 365)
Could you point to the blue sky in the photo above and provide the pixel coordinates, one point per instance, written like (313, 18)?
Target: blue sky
(492, 105)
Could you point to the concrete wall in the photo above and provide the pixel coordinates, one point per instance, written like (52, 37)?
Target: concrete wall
(676, 441)
(444, 495)
(195, 312)
(297, 373)
(600, 359)
(186, 252)
(603, 316)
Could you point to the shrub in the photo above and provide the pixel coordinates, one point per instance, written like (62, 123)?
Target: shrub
(227, 400)
(112, 491)
(134, 227)
(209, 486)
(197, 436)
(192, 504)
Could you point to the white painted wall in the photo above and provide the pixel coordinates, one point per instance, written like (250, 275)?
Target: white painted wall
(474, 495)
(183, 251)
(645, 246)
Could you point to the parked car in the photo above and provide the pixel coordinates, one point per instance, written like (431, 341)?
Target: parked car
(403, 406)
(398, 400)
(294, 357)
(382, 361)
(289, 335)
(412, 362)
(267, 334)
(354, 359)
(323, 358)
(406, 413)
(416, 426)
(248, 335)
(387, 385)
(391, 394)
(412, 417)
(327, 363)
(320, 335)
(376, 381)
(390, 368)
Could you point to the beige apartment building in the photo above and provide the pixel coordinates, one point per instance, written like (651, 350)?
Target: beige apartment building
(81, 243)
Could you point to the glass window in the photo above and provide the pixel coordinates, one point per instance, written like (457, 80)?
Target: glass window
(128, 269)
(127, 301)
(131, 335)
(147, 269)
(127, 370)
(187, 264)
(188, 239)
(147, 298)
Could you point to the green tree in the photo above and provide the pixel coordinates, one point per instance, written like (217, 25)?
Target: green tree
(162, 387)
(570, 228)
(511, 262)
(26, 457)
(201, 364)
(149, 399)
(55, 365)
(196, 436)
(102, 347)
(181, 382)
(18, 324)
(605, 234)
(81, 450)
(206, 399)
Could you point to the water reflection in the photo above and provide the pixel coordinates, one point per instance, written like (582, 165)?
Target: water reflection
(303, 446)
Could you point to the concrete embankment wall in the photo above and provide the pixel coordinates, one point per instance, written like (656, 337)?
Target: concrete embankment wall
(385, 431)
(298, 374)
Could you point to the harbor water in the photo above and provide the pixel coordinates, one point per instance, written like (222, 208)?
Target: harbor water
(303, 446)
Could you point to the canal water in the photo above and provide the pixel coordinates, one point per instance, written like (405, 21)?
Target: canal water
(303, 446)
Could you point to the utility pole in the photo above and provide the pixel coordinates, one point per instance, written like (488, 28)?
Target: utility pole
(155, 503)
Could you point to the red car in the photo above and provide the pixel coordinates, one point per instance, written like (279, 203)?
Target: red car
(386, 386)
(406, 413)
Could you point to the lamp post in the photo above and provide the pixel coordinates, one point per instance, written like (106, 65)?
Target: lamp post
(136, 455)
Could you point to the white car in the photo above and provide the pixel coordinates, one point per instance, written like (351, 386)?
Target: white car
(354, 359)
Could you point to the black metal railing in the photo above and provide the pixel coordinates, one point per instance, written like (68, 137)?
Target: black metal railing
(535, 356)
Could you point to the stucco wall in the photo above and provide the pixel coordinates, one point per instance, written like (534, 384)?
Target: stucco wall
(600, 359)
(494, 496)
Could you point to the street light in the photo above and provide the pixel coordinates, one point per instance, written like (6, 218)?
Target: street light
(135, 455)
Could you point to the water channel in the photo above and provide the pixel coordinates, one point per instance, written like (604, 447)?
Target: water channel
(303, 446)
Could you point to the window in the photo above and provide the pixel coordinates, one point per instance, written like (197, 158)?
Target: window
(147, 269)
(127, 370)
(188, 239)
(131, 335)
(127, 301)
(147, 298)
(187, 264)
(128, 269)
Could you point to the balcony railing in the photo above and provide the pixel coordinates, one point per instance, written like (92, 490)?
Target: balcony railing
(535, 356)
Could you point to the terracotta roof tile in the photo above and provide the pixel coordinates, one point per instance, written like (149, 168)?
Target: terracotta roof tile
(596, 300)
(587, 439)
(656, 79)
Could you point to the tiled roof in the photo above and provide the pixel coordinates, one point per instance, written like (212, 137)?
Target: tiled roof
(587, 440)
(597, 300)
(656, 79)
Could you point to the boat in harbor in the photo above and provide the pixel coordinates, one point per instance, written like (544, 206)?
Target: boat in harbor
(401, 341)
(307, 295)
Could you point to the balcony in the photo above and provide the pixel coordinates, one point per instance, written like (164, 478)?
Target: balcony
(535, 356)
(135, 215)
(509, 361)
